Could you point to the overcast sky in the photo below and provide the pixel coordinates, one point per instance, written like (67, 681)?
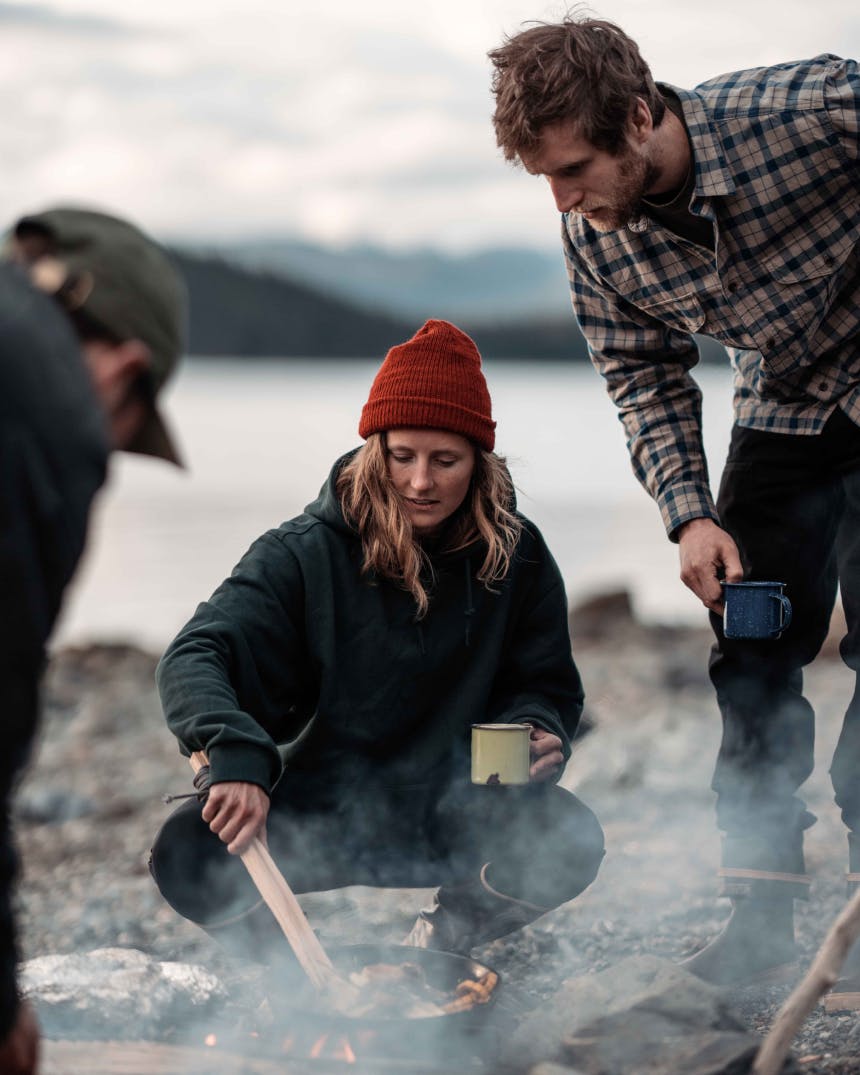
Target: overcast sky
(332, 120)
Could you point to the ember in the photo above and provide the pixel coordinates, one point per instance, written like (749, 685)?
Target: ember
(340, 1051)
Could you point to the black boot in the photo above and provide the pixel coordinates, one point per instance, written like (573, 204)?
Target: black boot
(762, 878)
(845, 994)
(755, 945)
(466, 915)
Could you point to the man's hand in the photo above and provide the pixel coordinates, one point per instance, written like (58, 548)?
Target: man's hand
(707, 551)
(546, 755)
(236, 812)
(19, 1051)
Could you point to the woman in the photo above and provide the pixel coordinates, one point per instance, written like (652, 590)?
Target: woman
(334, 677)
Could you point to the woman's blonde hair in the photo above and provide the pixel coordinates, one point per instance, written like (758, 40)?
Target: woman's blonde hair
(372, 506)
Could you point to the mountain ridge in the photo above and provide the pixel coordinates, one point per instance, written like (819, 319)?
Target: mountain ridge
(237, 311)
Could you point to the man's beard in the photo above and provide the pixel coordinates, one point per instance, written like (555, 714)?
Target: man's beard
(635, 175)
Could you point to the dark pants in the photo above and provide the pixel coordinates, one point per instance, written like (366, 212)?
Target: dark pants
(792, 504)
(545, 847)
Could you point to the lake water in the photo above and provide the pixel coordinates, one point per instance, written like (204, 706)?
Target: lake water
(259, 438)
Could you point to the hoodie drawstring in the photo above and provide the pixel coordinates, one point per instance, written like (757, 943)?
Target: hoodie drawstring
(470, 608)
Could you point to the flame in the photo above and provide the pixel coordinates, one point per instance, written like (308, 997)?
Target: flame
(344, 1051)
(210, 1040)
(317, 1047)
(341, 1050)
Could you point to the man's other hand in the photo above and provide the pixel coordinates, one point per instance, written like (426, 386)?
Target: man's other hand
(19, 1051)
(236, 812)
(707, 552)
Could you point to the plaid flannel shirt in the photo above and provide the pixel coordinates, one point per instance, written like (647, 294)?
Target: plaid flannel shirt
(777, 173)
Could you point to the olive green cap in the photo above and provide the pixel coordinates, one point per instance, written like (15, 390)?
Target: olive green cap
(123, 281)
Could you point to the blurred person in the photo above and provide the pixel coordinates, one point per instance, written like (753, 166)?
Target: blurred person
(409, 601)
(91, 320)
(730, 210)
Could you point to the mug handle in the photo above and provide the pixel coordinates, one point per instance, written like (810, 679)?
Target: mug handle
(786, 613)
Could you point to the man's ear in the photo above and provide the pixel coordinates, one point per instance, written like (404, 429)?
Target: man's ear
(115, 369)
(129, 360)
(641, 121)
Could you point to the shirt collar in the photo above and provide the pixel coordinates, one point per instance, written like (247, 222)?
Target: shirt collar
(713, 179)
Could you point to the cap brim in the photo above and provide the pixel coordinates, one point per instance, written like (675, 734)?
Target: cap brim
(154, 439)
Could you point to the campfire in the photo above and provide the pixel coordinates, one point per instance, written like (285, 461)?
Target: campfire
(410, 1003)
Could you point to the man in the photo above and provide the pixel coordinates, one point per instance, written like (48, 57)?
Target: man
(91, 319)
(730, 211)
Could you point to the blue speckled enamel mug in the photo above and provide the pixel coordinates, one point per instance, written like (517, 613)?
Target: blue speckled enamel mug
(755, 609)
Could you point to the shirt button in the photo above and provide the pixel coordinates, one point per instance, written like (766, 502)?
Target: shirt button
(731, 287)
(822, 386)
(770, 344)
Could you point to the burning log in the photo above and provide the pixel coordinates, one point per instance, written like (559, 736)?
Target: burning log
(821, 976)
(471, 992)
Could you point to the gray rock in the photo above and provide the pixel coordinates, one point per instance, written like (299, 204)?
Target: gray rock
(52, 806)
(644, 1015)
(117, 993)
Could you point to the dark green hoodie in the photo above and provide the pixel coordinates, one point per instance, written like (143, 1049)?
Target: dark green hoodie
(298, 640)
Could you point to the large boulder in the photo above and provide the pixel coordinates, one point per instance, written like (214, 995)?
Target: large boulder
(117, 993)
(644, 1016)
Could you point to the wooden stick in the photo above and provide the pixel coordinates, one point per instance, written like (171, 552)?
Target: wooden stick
(281, 901)
(821, 976)
(151, 1058)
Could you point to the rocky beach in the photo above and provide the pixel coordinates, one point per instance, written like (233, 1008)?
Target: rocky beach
(92, 800)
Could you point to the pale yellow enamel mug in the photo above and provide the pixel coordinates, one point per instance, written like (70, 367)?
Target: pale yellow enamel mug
(500, 754)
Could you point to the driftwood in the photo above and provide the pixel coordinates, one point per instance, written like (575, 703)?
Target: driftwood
(281, 901)
(149, 1058)
(821, 976)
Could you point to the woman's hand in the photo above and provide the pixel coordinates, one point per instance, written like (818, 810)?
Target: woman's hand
(19, 1050)
(546, 755)
(236, 812)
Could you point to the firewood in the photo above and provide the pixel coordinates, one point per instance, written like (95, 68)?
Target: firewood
(148, 1058)
(821, 976)
(471, 992)
(281, 901)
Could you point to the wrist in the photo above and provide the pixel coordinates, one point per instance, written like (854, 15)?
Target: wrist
(691, 526)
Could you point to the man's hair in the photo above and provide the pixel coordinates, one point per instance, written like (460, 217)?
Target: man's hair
(587, 71)
(390, 549)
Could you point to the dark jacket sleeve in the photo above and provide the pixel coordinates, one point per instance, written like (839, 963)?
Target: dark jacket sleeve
(230, 681)
(539, 682)
(24, 620)
(53, 453)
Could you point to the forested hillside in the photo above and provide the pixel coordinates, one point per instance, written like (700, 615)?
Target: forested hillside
(239, 312)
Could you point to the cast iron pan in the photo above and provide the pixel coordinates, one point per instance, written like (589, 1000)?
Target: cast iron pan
(443, 970)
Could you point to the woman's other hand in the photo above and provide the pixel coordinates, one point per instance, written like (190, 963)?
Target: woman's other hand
(236, 812)
(546, 755)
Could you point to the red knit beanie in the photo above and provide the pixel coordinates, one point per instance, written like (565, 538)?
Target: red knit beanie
(433, 381)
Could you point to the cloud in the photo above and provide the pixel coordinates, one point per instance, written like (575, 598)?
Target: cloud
(50, 20)
(341, 121)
